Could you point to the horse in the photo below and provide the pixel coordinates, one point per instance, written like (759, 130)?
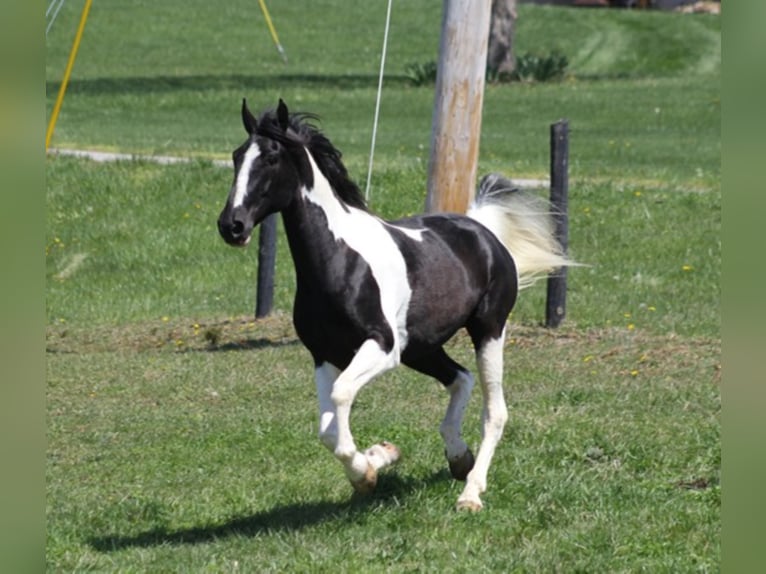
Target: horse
(371, 294)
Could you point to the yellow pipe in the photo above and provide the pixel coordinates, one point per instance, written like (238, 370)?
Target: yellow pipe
(67, 73)
(272, 29)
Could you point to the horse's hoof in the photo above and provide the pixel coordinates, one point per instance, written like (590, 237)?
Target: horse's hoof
(382, 454)
(460, 467)
(367, 483)
(469, 505)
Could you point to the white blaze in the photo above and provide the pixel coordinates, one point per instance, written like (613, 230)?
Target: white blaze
(243, 175)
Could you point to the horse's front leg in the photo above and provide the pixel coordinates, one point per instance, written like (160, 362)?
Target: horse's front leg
(336, 391)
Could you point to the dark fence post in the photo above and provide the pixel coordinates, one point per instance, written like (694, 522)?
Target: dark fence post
(556, 302)
(267, 255)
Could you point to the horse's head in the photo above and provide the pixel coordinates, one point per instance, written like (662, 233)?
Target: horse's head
(265, 175)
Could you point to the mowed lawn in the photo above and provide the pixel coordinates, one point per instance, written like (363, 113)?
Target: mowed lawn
(182, 432)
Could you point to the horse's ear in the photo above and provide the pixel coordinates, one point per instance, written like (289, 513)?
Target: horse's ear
(283, 115)
(248, 119)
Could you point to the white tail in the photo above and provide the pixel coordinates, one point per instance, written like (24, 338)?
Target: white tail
(522, 222)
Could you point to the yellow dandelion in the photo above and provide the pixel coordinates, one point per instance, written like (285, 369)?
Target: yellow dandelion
(165, 319)
(687, 267)
(631, 326)
(637, 193)
(652, 308)
(634, 373)
(587, 358)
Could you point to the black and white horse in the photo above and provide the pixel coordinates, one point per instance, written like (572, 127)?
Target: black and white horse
(372, 293)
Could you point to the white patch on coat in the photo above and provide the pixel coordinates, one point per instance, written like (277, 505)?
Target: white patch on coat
(368, 236)
(243, 175)
(415, 234)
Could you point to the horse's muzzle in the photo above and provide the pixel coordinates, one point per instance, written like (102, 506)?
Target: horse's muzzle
(233, 227)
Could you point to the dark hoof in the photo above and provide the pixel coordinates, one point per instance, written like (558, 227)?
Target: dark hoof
(460, 467)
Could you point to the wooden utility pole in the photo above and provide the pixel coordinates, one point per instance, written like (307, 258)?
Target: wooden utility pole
(458, 103)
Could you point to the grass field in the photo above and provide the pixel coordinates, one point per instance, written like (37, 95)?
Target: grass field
(181, 433)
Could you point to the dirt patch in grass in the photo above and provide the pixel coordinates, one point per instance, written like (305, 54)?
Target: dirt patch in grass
(172, 334)
(629, 353)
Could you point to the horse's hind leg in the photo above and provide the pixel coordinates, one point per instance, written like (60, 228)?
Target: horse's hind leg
(489, 354)
(459, 383)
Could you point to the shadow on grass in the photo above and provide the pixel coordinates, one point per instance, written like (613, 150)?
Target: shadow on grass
(391, 491)
(245, 345)
(164, 84)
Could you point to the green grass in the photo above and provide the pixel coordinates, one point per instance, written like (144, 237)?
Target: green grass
(135, 241)
(165, 80)
(167, 453)
(182, 434)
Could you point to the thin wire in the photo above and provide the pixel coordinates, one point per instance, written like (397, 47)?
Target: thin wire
(377, 101)
(55, 14)
(50, 7)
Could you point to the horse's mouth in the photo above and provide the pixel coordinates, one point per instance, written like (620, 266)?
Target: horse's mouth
(242, 242)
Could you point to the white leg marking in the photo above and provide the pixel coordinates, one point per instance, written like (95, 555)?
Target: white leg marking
(325, 376)
(369, 361)
(490, 362)
(460, 393)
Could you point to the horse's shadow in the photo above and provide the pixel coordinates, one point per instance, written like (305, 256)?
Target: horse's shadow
(250, 344)
(391, 490)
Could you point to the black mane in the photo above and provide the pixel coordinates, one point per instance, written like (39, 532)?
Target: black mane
(301, 132)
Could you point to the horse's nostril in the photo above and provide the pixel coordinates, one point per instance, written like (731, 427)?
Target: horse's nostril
(237, 228)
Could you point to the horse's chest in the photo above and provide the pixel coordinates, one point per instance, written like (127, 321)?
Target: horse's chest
(333, 330)
(360, 290)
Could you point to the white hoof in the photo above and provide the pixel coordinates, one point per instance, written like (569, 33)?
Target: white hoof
(366, 484)
(469, 498)
(382, 455)
(469, 504)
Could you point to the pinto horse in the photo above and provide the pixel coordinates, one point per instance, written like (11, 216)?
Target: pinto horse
(372, 293)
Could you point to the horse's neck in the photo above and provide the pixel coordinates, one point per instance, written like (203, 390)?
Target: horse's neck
(313, 225)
